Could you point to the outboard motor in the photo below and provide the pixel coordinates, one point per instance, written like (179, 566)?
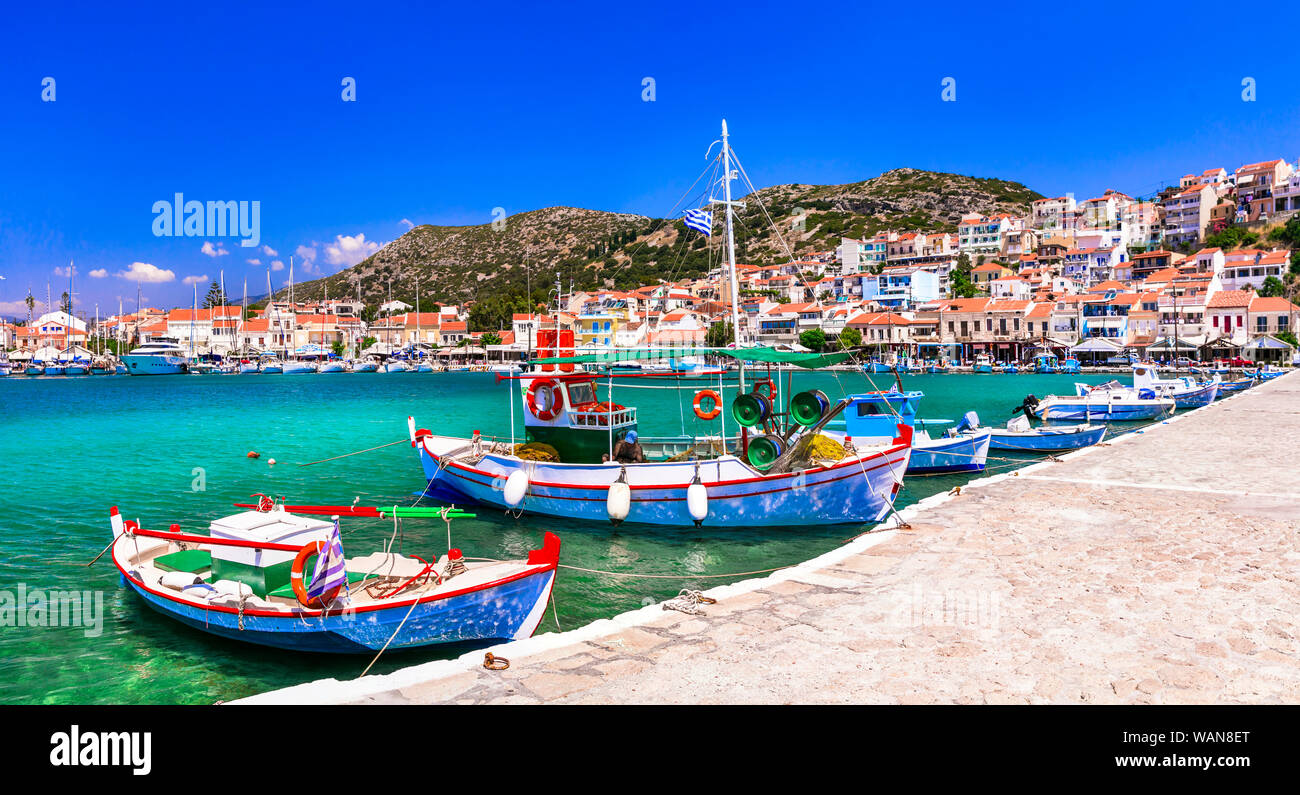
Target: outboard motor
(1029, 405)
(969, 422)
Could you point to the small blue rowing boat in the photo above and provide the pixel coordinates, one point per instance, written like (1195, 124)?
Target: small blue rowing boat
(1045, 438)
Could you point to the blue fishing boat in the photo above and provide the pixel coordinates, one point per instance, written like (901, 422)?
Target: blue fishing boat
(249, 580)
(982, 364)
(1070, 366)
(1231, 387)
(1046, 363)
(1268, 373)
(1019, 436)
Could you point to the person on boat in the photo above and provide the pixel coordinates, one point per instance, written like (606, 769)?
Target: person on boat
(627, 451)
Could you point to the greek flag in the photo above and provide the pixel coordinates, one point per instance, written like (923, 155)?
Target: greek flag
(330, 572)
(700, 221)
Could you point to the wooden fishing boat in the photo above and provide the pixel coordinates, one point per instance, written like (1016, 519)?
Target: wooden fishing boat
(249, 580)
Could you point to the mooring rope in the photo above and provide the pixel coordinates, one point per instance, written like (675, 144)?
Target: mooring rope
(357, 452)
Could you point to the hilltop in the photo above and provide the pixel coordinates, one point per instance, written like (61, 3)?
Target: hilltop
(617, 250)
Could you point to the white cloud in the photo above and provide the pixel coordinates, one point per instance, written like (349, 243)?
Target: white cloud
(268, 251)
(254, 261)
(145, 272)
(64, 272)
(408, 223)
(214, 251)
(99, 273)
(277, 265)
(195, 279)
(348, 251)
(19, 308)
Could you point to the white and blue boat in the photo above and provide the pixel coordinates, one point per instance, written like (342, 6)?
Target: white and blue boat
(1187, 392)
(962, 449)
(248, 580)
(983, 364)
(1230, 387)
(1268, 373)
(1070, 366)
(1110, 402)
(1020, 437)
(763, 481)
(162, 356)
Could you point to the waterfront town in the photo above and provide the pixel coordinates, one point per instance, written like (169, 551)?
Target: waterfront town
(1199, 271)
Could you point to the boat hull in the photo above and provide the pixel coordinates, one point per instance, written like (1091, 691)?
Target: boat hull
(1048, 439)
(1197, 397)
(857, 491)
(964, 453)
(507, 610)
(1105, 411)
(153, 365)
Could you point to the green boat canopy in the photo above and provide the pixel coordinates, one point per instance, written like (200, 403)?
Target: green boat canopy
(811, 361)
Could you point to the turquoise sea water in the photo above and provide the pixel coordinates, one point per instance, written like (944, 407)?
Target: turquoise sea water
(173, 450)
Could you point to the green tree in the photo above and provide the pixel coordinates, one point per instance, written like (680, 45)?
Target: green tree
(339, 347)
(1271, 288)
(366, 342)
(213, 298)
(1289, 338)
(65, 303)
(490, 338)
(31, 304)
(718, 336)
(814, 339)
(850, 338)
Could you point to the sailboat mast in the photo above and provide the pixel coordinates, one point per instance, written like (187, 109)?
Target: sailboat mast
(194, 311)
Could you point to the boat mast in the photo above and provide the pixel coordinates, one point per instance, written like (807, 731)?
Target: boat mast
(727, 176)
(194, 311)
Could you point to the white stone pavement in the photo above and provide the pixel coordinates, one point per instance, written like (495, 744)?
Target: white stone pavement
(1161, 567)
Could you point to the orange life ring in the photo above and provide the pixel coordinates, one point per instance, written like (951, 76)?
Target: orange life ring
(557, 399)
(717, 404)
(295, 578)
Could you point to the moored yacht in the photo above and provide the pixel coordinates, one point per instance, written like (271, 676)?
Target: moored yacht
(162, 356)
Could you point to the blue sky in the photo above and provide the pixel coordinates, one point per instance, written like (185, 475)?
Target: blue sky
(467, 107)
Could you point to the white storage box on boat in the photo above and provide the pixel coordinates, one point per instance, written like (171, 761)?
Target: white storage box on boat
(263, 569)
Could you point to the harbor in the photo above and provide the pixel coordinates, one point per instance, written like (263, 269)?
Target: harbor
(1154, 568)
(196, 434)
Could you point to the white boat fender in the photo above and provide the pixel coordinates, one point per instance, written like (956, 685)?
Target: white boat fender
(697, 499)
(618, 502)
(516, 487)
(179, 580)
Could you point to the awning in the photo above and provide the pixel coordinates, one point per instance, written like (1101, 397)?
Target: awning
(1221, 342)
(1097, 345)
(810, 361)
(1267, 343)
(1166, 344)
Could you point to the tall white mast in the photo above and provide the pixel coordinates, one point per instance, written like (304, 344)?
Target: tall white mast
(727, 176)
(194, 311)
(243, 310)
